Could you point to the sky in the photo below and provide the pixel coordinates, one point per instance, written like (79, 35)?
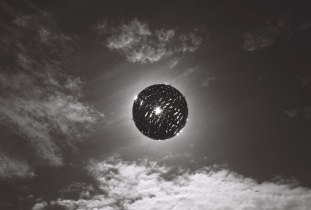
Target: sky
(69, 73)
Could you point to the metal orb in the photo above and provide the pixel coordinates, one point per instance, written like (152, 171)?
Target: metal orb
(160, 112)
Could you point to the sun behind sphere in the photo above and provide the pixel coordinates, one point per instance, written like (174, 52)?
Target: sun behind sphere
(160, 112)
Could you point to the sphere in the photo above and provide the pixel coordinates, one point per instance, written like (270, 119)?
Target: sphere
(160, 112)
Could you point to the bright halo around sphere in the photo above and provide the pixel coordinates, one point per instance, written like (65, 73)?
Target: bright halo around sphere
(160, 112)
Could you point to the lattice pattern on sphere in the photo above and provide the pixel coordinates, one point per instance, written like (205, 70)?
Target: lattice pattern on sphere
(160, 112)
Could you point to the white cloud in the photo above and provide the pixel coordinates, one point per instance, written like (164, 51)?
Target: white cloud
(40, 206)
(139, 44)
(146, 185)
(41, 112)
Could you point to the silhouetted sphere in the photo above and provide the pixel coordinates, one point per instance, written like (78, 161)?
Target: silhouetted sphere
(160, 112)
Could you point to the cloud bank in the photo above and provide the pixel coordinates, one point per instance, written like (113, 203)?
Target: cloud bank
(41, 114)
(147, 185)
(138, 43)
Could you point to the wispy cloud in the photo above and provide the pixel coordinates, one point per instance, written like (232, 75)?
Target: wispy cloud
(146, 185)
(173, 62)
(41, 113)
(138, 43)
(207, 81)
(265, 36)
(274, 29)
(304, 113)
(14, 168)
(304, 79)
(307, 113)
(292, 113)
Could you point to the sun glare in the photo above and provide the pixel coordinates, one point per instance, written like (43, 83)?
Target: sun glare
(158, 110)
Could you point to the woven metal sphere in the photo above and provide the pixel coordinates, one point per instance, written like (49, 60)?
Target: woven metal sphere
(160, 112)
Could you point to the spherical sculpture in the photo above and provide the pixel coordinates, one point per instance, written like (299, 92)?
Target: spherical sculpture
(160, 112)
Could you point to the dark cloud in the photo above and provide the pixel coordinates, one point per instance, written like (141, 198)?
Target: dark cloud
(138, 43)
(147, 185)
(41, 112)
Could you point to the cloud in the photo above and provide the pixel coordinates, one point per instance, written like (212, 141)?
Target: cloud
(304, 27)
(39, 206)
(304, 113)
(207, 81)
(147, 185)
(300, 29)
(138, 43)
(265, 36)
(292, 113)
(173, 62)
(14, 168)
(304, 79)
(41, 112)
(77, 190)
(307, 113)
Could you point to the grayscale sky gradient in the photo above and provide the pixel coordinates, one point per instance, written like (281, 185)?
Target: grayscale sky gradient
(69, 72)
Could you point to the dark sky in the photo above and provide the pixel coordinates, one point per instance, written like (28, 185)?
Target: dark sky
(69, 72)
